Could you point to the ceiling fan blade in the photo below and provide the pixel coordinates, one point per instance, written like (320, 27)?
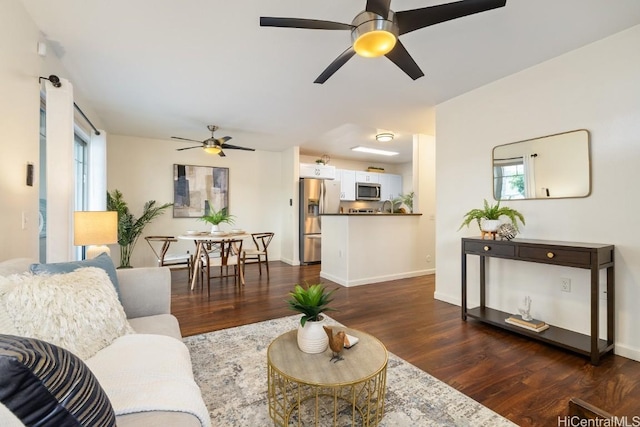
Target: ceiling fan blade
(335, 65)
(379, 7)
(186, 139)
(223, 139)
(312, 24)
(402, 59)
(221, 154)
(236, 147)
(188, 148)
(411, 20)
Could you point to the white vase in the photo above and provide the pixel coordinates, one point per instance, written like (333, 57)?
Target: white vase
(312, 338)
(215, 227)
(490, 225)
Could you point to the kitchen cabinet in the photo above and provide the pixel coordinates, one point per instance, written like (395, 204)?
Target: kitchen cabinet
(347, 184)
(371, 177)
(310, 170)
(390, 186)
(592, 257)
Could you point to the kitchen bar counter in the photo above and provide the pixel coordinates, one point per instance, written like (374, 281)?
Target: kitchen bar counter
(359, 248)
(371, 214)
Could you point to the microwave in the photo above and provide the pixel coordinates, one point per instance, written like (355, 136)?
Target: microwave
(367, 191)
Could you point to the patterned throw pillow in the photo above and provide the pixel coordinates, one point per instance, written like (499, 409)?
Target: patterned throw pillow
(102, 261)
(42, 384)
(78, 311)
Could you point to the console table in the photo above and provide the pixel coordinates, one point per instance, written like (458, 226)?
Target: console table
(593, 257)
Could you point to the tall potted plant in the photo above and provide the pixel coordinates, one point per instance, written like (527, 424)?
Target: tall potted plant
(488, 218)
(129, 227)
(311, 302)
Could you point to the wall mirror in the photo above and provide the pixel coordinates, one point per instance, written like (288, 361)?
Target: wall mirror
(549, 167)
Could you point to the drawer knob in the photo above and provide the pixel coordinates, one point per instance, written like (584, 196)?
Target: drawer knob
(486, 248)
(550, 255)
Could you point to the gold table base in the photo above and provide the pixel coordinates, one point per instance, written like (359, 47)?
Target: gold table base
(356, 403)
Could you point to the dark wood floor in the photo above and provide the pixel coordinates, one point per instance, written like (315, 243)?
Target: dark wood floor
(528, 382)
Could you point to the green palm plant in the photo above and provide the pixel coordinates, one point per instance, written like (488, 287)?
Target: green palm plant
(492, 212)
(129, 227)
(310, 301)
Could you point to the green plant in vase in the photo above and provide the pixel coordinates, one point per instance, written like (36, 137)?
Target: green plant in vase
(215, 218)
(492, 213)
(129, 227)
(311, 302)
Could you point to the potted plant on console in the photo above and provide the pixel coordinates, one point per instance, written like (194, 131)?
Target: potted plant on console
(488, 218)
(311, 302)
(215, 218)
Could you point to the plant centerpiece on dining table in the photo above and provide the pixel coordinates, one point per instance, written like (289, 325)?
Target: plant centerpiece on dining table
(488, 218)
(311, 302)
(129, 227)
(215, 218)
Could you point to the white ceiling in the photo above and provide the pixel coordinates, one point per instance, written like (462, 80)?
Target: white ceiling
(162, 68)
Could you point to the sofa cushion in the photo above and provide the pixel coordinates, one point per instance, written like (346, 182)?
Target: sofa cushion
(78, 311)
(42, 384)
(160, 324)
(102, 261)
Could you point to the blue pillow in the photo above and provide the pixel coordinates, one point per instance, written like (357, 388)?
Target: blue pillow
(102, 261)
(43, 384)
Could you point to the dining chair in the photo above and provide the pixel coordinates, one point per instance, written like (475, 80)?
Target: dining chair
(224, 254)
(160, 247)
(252, 256)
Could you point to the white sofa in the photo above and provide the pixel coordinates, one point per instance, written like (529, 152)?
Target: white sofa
(145, 295)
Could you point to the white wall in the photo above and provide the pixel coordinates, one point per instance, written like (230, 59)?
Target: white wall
(597, 88)
(142, 169)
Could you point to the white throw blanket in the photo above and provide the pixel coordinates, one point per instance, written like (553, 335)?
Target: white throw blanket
(141, 372)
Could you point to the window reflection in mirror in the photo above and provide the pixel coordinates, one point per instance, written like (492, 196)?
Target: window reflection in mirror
(554, 166)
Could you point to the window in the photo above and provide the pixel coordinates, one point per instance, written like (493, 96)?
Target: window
(509, 179)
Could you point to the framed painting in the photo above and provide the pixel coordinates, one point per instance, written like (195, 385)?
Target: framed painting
(197, 190)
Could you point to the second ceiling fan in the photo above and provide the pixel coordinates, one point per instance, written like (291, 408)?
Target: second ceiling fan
(375, 31)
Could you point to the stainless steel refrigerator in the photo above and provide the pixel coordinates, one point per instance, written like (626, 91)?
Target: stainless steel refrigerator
(317, 196)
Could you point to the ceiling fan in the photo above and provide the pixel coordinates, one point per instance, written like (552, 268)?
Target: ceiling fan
(375, 31)
(213, 145)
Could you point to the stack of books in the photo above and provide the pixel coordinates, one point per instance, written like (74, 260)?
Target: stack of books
(532, 325)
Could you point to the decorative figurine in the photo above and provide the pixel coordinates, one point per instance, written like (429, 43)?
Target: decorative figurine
(336, 343)
(525, 311)
(507, 231)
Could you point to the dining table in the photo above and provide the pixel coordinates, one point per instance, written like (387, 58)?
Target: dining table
(202, 238)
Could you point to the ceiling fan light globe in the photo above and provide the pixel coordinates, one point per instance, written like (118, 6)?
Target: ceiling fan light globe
(212, 150)
(374, 44)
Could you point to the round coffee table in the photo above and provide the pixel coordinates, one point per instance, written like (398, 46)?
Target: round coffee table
(306, 388)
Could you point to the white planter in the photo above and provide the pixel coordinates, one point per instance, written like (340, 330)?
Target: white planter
(312, 338)
(490, 224)
(215, 228)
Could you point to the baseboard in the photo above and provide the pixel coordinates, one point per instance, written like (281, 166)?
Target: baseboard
(375, 279)
(288, 261)
(455, 300)
(628, 352)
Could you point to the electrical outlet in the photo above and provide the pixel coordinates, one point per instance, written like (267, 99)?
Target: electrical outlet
(565, 284)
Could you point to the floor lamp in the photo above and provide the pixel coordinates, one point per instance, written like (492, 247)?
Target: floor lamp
(95, 229)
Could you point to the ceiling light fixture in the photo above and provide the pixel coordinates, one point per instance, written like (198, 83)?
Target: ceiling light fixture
(212, 149)
(374, 151)
(373, 35)
(384, 137)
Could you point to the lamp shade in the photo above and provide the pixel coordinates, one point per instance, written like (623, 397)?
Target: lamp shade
(95, 228)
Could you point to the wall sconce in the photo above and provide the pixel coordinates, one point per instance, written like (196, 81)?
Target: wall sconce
(95, 229)
(384, 137)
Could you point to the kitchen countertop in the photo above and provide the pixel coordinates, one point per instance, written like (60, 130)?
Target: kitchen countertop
(371, 214)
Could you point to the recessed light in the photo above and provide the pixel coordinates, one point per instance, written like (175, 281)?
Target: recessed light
(374, 151)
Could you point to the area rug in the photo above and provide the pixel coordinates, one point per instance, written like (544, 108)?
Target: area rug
(230, 368)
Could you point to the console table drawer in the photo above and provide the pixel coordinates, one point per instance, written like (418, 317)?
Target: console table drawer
(489, 249)
(555, 256)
